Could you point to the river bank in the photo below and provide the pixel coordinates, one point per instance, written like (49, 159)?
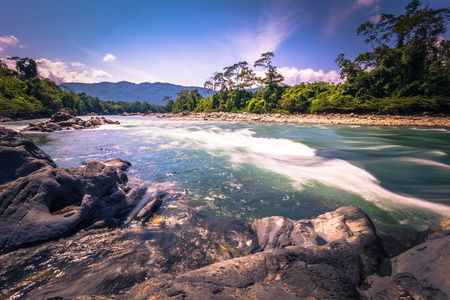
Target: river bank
(326, 119)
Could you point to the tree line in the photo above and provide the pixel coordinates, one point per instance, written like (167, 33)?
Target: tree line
(23, 93)
(407, 71)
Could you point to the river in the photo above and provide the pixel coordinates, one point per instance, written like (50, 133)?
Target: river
(400, 176)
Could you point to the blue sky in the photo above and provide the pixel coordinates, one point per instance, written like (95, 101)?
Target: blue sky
(184, 42)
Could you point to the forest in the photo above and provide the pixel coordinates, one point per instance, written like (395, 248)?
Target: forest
(24, 94)
(407, 72)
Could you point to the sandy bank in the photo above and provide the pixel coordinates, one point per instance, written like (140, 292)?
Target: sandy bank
(342, 119)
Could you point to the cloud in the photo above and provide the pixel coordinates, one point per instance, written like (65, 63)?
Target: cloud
(61, 72)
(9, 41)
(375, 19)
(345, 9)
(109, 57)
(294, 76)
(278, 21)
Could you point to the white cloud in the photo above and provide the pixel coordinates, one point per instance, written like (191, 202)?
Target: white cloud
(9, 41)
(109, 57)
(366, 2)
(101, 74)
(278, 21)
(346, 8)
(294, 76)
(60, 72)
(375, 19)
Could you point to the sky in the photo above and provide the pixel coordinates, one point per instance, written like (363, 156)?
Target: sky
(185, 41)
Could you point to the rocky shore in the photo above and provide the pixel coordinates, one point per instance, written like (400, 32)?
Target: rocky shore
(71, 232)
(65, 121)
(40, 202)
(327, 119)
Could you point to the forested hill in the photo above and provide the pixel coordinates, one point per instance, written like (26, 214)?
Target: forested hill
(152, 93)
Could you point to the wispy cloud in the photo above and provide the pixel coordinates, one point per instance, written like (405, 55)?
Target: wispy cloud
(109, 58)
(375, 19)
(9, 41)
(278, 21)
(60, 72)
(294, 76)
(344, 9)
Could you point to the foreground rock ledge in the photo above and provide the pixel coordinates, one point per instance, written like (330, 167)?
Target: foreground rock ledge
(65, 121)
(323, 258)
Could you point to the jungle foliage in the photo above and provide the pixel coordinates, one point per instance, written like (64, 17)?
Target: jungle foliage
(407, 71)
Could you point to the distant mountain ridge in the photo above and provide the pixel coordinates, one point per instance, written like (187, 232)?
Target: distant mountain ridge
(126, 91)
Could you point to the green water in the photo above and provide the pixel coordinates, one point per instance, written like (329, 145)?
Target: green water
(400, 176)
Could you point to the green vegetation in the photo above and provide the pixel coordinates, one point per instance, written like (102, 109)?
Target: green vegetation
(407, 72)
(24, 94)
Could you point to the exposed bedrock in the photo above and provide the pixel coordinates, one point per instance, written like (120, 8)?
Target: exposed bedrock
(19, 156)
(40, 202)
(325, 258)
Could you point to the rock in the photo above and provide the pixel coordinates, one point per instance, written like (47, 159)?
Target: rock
(348, 223)
(435, 231)
(19, 156)
(60, 116)
(65, 121)
(419, 273)
(34, 209)
(292, 265)
(406, 286)
(41, 202)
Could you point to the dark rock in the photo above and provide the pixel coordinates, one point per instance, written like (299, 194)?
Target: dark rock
(19, 156)
(60, 116)
(65, 121)
(435, 231)
(406, 286)
(286, 269)
(320, 281)
(385, 268)
(42, 202)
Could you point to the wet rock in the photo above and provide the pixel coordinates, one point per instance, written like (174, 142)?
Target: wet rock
(33, 209)
(348, 223)
(419, 273)
(19, 156)
(292, 265)
(435, 231)
(406, 286)
(65, 121)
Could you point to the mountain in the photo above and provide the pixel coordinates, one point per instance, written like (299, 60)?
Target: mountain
(130, 92)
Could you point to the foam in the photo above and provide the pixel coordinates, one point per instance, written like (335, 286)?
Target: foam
(295, 160)
(426, 162)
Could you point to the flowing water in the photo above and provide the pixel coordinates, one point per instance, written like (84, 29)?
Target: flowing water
(243, 171)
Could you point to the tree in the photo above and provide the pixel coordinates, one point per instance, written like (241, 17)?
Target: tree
(26, 66)
(273, 79)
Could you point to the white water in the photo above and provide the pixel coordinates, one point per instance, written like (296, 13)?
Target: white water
(297, 161)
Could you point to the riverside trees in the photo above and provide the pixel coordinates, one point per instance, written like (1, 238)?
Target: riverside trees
(24, 93)
(407, 71)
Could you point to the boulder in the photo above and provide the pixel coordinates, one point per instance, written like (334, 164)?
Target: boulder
(19, 156)
(60, 116)
(55, 202)
(346, 223)
(419, 273)
(323, 258)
